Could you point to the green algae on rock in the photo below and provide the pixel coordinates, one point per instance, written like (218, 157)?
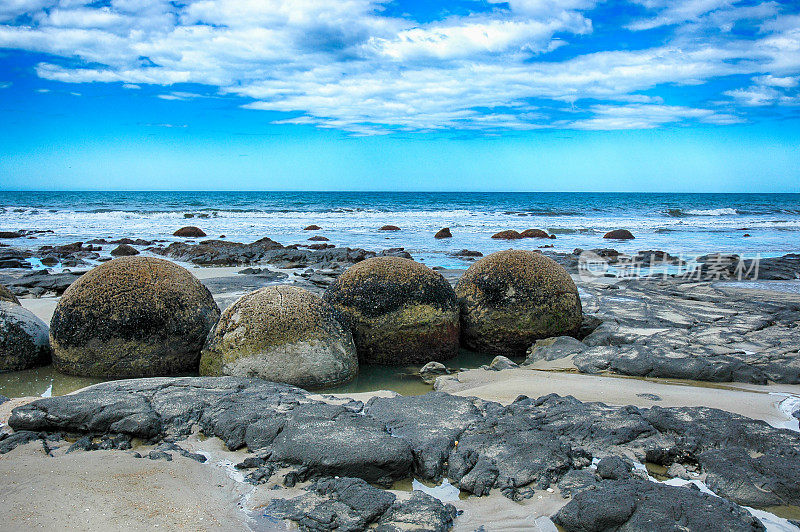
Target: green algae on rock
(132, 317)
(23, 338)
(281, 334)
(511, 298)
(400, 311)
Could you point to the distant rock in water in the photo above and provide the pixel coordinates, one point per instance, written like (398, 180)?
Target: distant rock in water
(312, 228)
(443, 233)
(11, 234)
(512, 298)
(389, 228)
(189, 231)
(132, 317)
(23, 338)
(281, 334)
(319, 238)
(466, 254)
(619, 234)
(534, 233)
(124, 250)
(6, 295)
(507, 235)
(400, 311)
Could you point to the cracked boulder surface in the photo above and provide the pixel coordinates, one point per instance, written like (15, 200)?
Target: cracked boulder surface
(480, 446)
(705, 331)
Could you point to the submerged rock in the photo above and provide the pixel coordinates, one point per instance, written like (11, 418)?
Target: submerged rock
(389, 228)
(281, 334)
(511, 298)
(443, 233)
(24, 339)
(189, 232)
(431, 370)
(619, 234)
(400, 311)
(509, 234)
(132, 317)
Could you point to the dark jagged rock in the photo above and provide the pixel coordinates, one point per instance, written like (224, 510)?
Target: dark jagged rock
(400, 311)
(189, 232)
(614, 468)
(419, 513)
(466, 254)
(319, 238)
(24, 339)
(219, 252)
(341, 504)
(11, 234)
(511, 298)
(14, 258)
(40, 282)
(619, 234)
(641, 505)
(443, 233)
(554, 348)
(529, 444)
(124, 250)
(431, 423)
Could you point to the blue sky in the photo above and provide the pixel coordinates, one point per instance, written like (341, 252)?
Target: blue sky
(643, 95)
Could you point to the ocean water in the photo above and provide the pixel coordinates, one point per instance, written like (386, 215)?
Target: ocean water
(688, 224)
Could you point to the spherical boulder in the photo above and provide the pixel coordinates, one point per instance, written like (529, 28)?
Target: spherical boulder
(6, 295)
(619, 234)
(281, 334)
(132, 317)
(400, 311)
(23, 338)
(189, 232)
(511, 298)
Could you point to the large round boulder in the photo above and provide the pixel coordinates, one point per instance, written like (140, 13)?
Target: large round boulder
(190, 231)
(23, 338)
(6, 295)
(400, 311)
(511, 298)
(132, 317)
(619, 234)
(281, 334)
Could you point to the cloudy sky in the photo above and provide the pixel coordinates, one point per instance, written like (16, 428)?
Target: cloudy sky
(415, 95)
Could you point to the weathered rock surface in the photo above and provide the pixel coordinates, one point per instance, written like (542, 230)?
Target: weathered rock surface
(641, 505)
(15, 258)
(508, 234)
(431, 370)
(479, 445)
(534, 233)
(39, 283)
(700, 331)
(24, 339)
(133, 316)
(7, 295)
(281, 334)
(511, 298)
(389, 228)
(400, 311)
(218, 252)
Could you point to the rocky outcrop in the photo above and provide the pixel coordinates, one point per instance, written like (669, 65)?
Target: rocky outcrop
(132, 317)
(511, 298)
(281, 334)
(466, 254)
(400, 311)
(535, 233)
(389, 228)
(124, 250)
(23, 338)
(189, 231)
(7, 295)
(443, 233)
(40, 282)
(619, 234)
(312, 227)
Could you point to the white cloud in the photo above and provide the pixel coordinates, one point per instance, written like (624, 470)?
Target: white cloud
(347, 66)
